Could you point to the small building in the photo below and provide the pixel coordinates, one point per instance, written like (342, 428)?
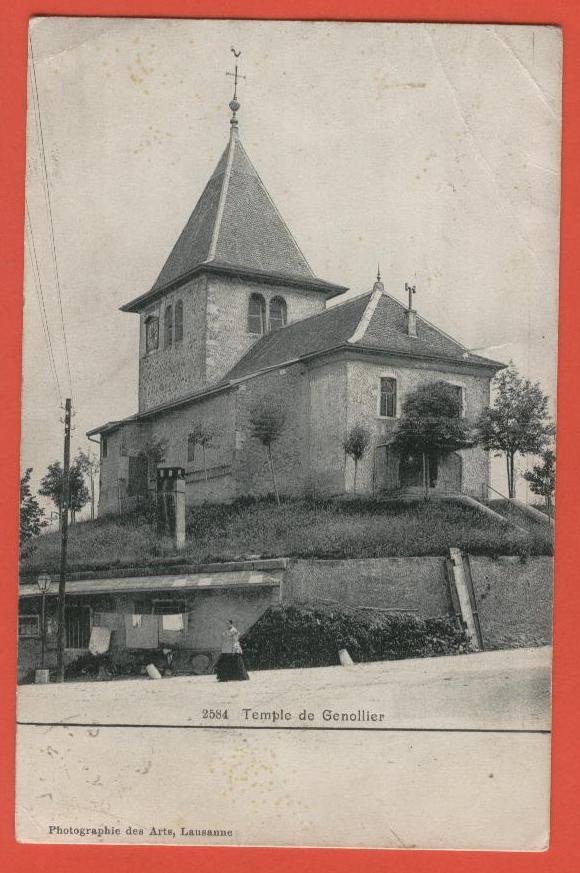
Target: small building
(237, 315)
(182, 609)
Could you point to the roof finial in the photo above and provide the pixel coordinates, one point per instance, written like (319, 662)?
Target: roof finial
(234, 103)
(378, 286)
(378, 272)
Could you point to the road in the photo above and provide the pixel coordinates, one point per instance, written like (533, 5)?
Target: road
(437, 753)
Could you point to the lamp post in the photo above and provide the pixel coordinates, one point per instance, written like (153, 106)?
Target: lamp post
(43, 583)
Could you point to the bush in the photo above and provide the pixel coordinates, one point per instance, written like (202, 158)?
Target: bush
(301, 636)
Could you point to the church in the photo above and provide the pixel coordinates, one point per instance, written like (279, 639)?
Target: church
(237, 318)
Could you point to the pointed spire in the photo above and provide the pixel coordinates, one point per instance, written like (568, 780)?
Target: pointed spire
(234, 102)
(378, 286)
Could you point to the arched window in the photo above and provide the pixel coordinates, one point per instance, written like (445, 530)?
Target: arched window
(277, 313)
(168, 326)
(178, 327)
(256, 314)
(151, 333)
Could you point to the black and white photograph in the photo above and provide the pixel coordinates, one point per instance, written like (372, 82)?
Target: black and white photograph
(288, 451)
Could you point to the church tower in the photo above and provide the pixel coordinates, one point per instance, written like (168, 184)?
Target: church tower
(234, 274)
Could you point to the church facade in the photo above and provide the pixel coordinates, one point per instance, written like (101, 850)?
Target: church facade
(237, 318)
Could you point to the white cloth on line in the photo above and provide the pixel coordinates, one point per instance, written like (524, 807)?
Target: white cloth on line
(100, 640)
(172, 622)
(136, 620)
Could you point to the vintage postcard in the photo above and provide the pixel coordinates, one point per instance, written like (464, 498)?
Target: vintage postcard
(288, 434)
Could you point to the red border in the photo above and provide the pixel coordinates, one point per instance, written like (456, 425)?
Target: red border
(564, 852)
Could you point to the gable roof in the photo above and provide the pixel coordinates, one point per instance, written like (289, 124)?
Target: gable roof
(373, 321)
(319, 333)
(236, 226)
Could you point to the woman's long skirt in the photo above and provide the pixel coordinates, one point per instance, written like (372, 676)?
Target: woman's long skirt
(231, 668)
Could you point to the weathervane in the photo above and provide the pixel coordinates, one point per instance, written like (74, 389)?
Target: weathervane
(234, 104)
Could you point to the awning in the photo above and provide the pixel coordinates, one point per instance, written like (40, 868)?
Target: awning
(143, 584)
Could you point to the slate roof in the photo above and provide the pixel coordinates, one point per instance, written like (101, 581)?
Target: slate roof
(336, 327)
(328, 329)
(235, 225)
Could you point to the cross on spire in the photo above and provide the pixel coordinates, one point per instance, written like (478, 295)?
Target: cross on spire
(234, 104)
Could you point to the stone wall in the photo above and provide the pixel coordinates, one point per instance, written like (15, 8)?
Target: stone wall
(328, 416)
(411, 584)
(514, 600)
(127, 440)
(290, 388)
(227, 317)
(168, 373)
(363, 387)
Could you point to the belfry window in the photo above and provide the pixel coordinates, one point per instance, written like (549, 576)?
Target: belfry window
(256, 314)
(151, 333)
(168, 327)
(278, 313)
(178, 324)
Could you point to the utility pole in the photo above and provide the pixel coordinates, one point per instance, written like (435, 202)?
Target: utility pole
(63, 543)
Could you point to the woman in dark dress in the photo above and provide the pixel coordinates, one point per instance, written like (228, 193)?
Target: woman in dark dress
(230, 666)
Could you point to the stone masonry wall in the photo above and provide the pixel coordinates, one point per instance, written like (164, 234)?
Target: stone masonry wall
(216, 413)
(121, 444)
(227, 318)
(168, 373)
(290, 387)
(363, 387)
(328, 415)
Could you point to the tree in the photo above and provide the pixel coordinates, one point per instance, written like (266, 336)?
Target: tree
(89, 464)
(267, 423)
(517, 422)
(52, 486)
(432, 423)
(356, 444)
(542, 478)
(32, 518)
(203, 436)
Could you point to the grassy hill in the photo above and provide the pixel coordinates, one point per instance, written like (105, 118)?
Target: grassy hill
(298, 528)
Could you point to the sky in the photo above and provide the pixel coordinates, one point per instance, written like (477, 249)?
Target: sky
(433, 150)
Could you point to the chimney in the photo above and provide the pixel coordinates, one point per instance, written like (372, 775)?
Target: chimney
(411, 314)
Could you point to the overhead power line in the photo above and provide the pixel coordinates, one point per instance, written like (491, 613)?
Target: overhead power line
(31, 248)
(38, 122)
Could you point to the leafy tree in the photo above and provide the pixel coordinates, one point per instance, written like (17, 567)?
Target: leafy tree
(52, 486)
(356, 444)
(432, 423)
(88, 463)
(267, 423)
(203, 436)
(542, 478)
(517, 422)
(32, 518)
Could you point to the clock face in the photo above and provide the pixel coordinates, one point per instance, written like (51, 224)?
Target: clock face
(152, 337)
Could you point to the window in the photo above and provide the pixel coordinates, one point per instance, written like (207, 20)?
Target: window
(28, 626)
(256, 314)
(277, 313)
(191, 441)
(104, 446)
(178, 328)
(459, 393)
(168, 326)
(151, 333)
(388, 398)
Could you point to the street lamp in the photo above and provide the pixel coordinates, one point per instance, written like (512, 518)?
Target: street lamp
(43, 583)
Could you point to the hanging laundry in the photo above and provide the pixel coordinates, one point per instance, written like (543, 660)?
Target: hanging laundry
(145, 634)
(172, 622)
(100, 640)
(173, 629)
(136, 620)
